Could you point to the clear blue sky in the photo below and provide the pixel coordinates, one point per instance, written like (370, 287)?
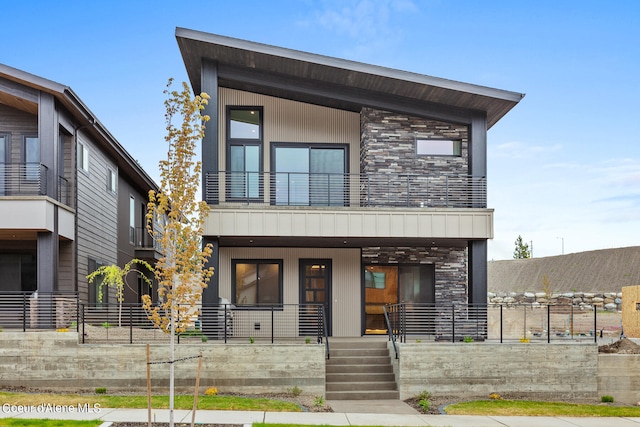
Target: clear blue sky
(564, 165)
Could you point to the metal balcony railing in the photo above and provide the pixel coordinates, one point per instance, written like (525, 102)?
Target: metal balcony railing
(23, 179)
(143, 240)
(351, 190)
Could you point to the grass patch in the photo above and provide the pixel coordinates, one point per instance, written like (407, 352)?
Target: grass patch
(298, 425)
(536, 408)
(231, 403)
(19, 422)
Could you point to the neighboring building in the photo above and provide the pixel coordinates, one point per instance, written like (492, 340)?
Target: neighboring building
(71, 197)
(341, 183)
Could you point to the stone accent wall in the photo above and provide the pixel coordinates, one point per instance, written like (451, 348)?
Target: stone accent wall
(450, 267)
(388, 144)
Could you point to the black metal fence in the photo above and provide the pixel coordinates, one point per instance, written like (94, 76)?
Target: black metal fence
(27, 311)
(498, 322)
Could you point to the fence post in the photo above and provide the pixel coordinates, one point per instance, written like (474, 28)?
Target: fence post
(501, 323)
(453, 323)
(548, 323)
(595, 324)
(82, 307)
(572, 321)
(225, 322)
(24, 312)
(130, 324)
(272, 324)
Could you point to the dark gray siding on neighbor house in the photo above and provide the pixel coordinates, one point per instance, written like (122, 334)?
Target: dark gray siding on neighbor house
(97, 216)
(127, 249)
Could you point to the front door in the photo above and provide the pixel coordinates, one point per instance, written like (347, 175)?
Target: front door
(315, 288)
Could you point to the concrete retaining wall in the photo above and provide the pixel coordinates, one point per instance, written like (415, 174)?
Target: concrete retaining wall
(478, 369)
(619, 376)
(55, 361)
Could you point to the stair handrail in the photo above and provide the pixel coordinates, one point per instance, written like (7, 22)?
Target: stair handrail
(392, 337)
(326, 338)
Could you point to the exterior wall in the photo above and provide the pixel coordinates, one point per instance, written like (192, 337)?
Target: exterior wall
(291, 121)
(630, 311)
(41, 360)
(97, 216)
(18, 124)
(450, 267)
(126, 249)
(388, 144)
(346, 287)
(477, 369)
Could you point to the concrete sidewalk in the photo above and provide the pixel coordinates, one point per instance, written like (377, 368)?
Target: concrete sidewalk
(331, 418)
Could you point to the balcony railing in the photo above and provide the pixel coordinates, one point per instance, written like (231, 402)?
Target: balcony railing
(23, 179)
(351, 190)
(143, 240)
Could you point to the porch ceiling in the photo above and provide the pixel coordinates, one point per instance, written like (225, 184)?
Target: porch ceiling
(335, 242)
(333, 82)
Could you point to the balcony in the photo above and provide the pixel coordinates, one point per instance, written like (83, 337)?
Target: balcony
(30, 179)
(345, 190)
(146, 247)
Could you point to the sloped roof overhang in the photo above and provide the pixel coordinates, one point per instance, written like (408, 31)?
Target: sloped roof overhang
(335, 82)
(85, 119)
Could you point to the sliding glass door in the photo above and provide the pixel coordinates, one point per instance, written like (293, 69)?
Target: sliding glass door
(309, 175)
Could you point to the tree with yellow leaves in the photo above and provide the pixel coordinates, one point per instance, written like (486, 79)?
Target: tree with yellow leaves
(176, 220)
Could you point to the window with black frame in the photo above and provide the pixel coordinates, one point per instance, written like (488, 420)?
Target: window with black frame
(244, 153)
(256, 282)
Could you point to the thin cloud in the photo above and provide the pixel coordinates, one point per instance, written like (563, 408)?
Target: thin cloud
(518, 150)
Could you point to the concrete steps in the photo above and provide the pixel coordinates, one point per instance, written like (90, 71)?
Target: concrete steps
(360, 370)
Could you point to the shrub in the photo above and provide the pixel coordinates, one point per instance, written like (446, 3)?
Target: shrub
(424, 404)
(318, 402)
(101, 390)
(467, 339)
(423, 395)
(106, 325)
(607, 399)
(211, 391)
(495, 396)
(204, 338)
(251, 340)
(296, 391)
(307, 340)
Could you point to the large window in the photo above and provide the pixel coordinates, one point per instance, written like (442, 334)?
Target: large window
(244, 152)
(96, 288)
(256, 282)
(310, 174)
(31, 157)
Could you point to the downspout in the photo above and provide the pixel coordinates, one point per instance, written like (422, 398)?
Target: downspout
(92, 122)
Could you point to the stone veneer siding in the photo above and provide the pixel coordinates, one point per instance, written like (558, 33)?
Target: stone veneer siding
(450, 267)
(387, 144)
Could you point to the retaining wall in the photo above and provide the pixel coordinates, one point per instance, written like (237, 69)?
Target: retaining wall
(478, 369)
(55, 361)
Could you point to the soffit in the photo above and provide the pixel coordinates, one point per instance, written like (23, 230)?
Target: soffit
(250, 66)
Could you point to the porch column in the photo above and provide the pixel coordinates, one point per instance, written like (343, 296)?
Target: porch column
(209, 85)
(210, 295)
(478, 155)
(477, 272)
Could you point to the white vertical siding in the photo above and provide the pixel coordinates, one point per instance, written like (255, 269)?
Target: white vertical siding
(346, 288)
(292, 121)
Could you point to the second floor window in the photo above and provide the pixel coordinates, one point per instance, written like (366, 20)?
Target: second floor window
(112, 181)
(83, 157)
(31, 157)
(132, 220)
(244, 152)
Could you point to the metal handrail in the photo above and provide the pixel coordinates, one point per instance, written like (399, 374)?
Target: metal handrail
(392, 337)
(346, 189)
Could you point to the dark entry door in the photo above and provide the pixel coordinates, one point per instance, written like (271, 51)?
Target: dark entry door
(315, 288)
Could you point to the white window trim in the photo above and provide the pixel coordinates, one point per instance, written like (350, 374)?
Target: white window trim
(83, 157)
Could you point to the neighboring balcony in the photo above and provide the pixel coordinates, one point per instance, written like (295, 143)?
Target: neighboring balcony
(30, 179)
(146, 247)
(294, 208)
(346, 190)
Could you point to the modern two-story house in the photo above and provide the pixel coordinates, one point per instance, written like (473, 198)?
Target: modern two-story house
(71, 197)
(341, 183)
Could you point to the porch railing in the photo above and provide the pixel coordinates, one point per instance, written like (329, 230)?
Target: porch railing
(32, 311)
(497, 322)
(223, 323)
(351, 190)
